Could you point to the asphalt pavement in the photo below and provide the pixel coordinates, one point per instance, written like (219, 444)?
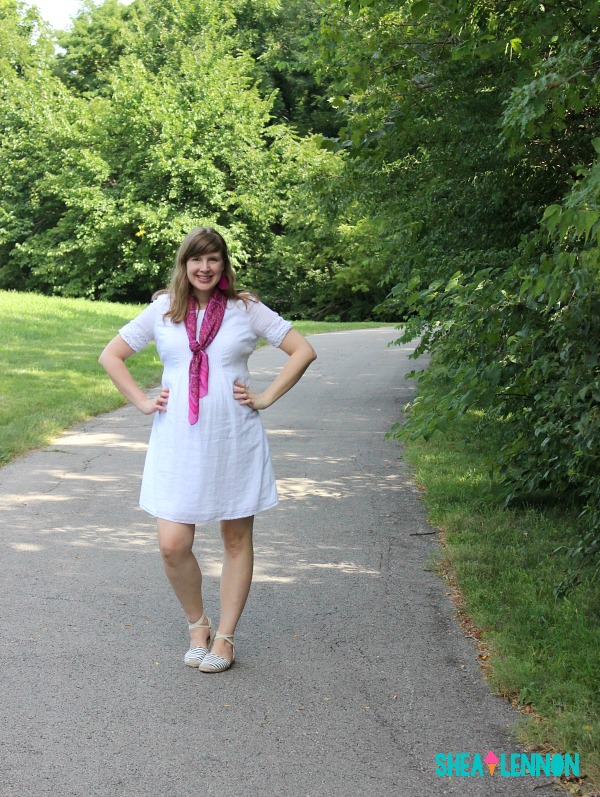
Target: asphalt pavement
(352, 671)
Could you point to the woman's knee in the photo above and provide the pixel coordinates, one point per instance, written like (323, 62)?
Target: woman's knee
(175, 541)
(237, 535)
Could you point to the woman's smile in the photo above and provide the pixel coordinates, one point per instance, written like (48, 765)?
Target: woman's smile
(204, 271)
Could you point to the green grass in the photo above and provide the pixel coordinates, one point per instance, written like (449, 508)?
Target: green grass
(316, 327)
(51, 379)
(544, 648)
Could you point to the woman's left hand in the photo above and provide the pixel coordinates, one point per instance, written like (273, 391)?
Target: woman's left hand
(249, 398)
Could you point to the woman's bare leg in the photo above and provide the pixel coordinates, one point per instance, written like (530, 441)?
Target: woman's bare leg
(236, 577)
(181, 566)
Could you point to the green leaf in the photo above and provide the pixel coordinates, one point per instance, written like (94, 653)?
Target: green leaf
(329, 144)
(585, 220)
(540, 285)
(516, 45)
(552, 210)
(442, 424)
(419, 9)
(453, 283)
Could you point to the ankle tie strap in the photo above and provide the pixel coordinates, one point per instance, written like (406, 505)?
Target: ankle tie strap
(203, 622)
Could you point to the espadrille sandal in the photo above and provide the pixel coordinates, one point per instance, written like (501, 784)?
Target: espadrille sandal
(213, 663)
(196, 655)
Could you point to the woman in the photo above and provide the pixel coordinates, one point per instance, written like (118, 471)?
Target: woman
(208, 457)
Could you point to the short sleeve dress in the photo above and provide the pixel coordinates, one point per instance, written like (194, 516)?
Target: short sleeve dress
(219, 468)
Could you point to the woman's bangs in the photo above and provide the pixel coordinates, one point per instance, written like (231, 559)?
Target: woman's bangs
(204, 244)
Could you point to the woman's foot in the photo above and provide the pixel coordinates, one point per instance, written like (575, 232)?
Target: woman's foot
(222, 647)
(221, 656)
(201, 635)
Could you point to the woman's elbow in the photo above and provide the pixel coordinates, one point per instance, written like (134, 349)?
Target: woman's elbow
(115, 350)
(306, 350)
(309, 355)
(106, 356)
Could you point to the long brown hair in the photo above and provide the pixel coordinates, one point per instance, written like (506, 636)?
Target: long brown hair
(200, 241)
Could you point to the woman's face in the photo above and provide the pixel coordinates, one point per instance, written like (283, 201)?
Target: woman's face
(204, 271)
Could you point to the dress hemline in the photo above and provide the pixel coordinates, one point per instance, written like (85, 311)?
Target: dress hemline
(212, 518)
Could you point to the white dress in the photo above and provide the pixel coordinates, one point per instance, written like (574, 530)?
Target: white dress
(220, 468)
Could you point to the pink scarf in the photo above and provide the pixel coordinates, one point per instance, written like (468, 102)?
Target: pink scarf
(211, 323)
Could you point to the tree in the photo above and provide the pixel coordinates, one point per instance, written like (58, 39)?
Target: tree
(480, 122)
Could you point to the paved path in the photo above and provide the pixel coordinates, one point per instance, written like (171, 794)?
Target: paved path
(352, 672)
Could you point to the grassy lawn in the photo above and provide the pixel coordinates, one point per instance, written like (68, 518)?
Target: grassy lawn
(51, 379)
(539, 647)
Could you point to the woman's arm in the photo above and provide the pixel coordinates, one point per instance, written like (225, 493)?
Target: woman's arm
(301, 354)
(112, 360)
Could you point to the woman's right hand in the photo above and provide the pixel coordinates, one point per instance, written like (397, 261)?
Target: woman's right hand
(157, 404)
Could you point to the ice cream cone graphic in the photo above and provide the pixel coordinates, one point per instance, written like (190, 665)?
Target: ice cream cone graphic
(491, 760)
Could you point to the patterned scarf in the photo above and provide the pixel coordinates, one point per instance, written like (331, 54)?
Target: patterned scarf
(211, 323)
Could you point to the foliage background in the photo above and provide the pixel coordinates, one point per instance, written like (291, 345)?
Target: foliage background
(479, 122)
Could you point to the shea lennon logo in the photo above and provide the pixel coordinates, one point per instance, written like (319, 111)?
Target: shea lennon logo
(515, 765)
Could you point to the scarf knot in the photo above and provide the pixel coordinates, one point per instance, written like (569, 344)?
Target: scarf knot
(211, 323)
